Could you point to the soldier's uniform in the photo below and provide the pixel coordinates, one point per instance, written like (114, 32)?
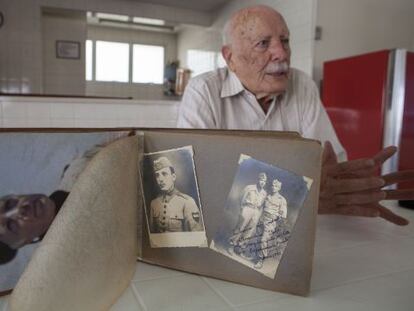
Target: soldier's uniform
(251, 209)
(174, 212)
(274, 214)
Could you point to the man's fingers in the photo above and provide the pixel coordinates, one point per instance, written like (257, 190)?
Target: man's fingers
(358, 198)
(373, 171)
(370, 210)
(384, 155)
(350, 166)
(403, 194)
(355, 184)
(386, 214)
(397, 177)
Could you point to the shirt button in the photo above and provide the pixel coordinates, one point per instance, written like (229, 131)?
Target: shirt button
(165, 212)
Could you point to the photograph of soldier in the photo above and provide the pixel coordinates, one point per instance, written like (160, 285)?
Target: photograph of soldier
(172, 210)
(38, 172)
(260, 214)
(171, 193)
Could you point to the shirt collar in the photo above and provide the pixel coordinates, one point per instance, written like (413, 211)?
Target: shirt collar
(231, 85)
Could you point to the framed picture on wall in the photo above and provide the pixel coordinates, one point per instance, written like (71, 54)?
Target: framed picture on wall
(67, 49)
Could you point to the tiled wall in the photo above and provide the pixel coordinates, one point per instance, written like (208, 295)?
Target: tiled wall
(21, 56)
(135, 90)
(391, 25)
(299, 15)
(21, 47)
(61, 112)
(131, 7)
(63, 76)
(197, 38)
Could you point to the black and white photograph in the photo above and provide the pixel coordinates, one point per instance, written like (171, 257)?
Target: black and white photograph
(260, 213)
(38, 171)
(172, 201)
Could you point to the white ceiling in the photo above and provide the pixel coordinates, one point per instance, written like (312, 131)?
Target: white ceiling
(197, 5)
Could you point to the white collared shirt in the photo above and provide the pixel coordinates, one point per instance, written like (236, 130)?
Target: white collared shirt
(218, 100)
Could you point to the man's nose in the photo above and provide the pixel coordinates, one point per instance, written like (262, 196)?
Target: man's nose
(279, 50)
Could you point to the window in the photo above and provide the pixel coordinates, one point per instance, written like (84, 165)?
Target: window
(220, 60)
(112, 61)
(200, 61)
(148, 64)
(89, 57)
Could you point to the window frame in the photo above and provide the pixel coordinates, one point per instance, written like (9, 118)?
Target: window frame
(95, 64)
(163, 67)
(131, 61)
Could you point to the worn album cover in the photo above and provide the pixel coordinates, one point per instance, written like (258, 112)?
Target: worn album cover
(38, 171)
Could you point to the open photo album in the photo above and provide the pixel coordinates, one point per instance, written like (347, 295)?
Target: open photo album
(79, 207)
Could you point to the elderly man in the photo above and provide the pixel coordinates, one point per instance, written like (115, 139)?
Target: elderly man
(259, 91)
(172, 210)
(251, 203)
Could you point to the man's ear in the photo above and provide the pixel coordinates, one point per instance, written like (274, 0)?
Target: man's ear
(227, 55)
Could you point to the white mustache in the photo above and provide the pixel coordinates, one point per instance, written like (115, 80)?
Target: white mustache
(277, 68)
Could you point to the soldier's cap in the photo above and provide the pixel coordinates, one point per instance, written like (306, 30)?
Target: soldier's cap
(161, 163)
(262, 176)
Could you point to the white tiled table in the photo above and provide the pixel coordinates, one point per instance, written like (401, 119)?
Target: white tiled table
(360, 264)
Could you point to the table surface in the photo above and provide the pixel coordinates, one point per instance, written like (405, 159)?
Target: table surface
(360, 264)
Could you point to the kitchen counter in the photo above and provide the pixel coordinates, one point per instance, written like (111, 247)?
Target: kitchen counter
(360, 264)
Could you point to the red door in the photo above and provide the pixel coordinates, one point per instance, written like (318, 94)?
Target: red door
(354, 91)
(406, 159)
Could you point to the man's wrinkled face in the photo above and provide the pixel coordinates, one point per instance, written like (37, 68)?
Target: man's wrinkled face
(259, 53)
(24, 218)
(165, 179)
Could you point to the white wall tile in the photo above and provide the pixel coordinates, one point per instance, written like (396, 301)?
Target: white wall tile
(127, 302)
(177, 292)
(14, 110)
(237, 294)
(38, 123)
(363, 262)
(38, 111)
(383, 293)
(20, 123)
(67, 123)
(62, 111)
(149, 272)
(368, 30)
